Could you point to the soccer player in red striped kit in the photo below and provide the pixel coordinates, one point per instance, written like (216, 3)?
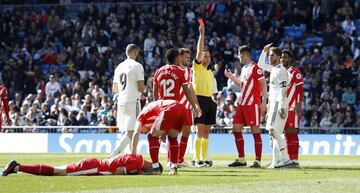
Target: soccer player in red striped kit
(121, 164)
(250, 105)
(173, 81)
(4, 105)
(295, 97)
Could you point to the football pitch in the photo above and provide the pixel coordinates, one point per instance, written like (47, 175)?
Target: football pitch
(317, 174)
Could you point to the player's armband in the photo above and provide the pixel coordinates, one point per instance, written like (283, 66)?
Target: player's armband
(283, 84)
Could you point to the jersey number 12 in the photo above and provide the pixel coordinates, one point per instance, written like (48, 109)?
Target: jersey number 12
(168, 86)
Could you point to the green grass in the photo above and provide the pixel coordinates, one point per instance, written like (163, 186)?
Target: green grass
(318, 174)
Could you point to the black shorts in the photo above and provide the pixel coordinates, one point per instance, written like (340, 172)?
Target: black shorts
(208, 108)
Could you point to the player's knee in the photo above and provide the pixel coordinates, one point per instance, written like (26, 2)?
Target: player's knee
(237, 128)
(185, 132)
(255, 129)
(173, 133)
(129, 134)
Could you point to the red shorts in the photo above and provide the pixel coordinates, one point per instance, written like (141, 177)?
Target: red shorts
(248, 115)
(293, 120)
(188, 118)
(88, 167)
(172, 117)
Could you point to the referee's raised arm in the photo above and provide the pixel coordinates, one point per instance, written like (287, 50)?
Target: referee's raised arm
(200, 44)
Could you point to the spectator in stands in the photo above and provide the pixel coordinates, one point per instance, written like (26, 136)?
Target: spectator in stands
(52, 86)
(349, 97)
(326, 120)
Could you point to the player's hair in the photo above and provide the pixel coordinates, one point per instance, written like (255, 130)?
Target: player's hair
(131, 48)
(183, 51)
(288, 52)
(206, 50)
(244, 48)
(171, 54)
(276, 50)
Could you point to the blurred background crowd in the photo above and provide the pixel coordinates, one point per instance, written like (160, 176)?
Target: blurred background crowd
(58, 61)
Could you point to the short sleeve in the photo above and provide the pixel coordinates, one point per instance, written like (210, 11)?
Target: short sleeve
(258, 73)
(214, 86)
(139, 72)
(181, 76)
(298, 78)
(116, 76)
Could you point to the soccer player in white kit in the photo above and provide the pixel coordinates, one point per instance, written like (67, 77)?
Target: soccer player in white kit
(278, 104)
(128, 84)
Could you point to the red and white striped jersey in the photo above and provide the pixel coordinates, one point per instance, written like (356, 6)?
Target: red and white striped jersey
(151, 112)
(187, 76)
(4, 105)
(250, 88)
(169, 80)
(295, 91)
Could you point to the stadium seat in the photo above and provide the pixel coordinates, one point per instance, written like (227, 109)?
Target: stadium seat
(310, 41)
(63, 67)
(45, 68)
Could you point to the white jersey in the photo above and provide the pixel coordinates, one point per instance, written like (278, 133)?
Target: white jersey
(126, 75)
(278, 80)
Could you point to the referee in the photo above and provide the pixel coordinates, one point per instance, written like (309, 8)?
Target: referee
(204, 84)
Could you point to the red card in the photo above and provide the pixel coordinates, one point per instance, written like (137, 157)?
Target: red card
(201, 22)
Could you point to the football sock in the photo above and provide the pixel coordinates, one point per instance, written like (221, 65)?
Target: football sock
(204, 148)
(154, 146)
(125, 140)
(239, 141)
(295, 144)
(174, 149)
(289, 145)
(275, 152)
(37, 169)
(168, 150)
(258, 145)
(197, 148)
(182, 148)
(281, 145)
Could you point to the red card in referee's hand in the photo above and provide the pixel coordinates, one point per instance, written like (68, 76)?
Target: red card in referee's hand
(201, 22)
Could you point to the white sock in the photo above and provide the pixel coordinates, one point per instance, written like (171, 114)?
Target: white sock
(275, 152)
(125, 140)
(155, 165)
(282, 147)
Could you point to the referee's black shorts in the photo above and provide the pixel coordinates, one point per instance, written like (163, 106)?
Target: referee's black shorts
(208, 108)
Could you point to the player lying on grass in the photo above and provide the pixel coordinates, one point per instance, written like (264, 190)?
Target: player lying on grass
(122, 164)
(157, 119)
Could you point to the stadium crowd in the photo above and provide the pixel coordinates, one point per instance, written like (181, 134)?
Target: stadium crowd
(59, 70)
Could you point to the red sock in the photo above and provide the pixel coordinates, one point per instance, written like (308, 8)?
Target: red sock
(258, 145)
(295, 145)
(182, 148)
(37, 169)
(239, 140)
(168, 151)
(154, 146)
(289, 145)
(174, 149)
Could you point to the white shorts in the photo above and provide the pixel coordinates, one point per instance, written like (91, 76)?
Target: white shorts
(273, 119)
(126, 116)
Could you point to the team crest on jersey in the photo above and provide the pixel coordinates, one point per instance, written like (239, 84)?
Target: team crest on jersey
(259, 71)
(298, 76)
